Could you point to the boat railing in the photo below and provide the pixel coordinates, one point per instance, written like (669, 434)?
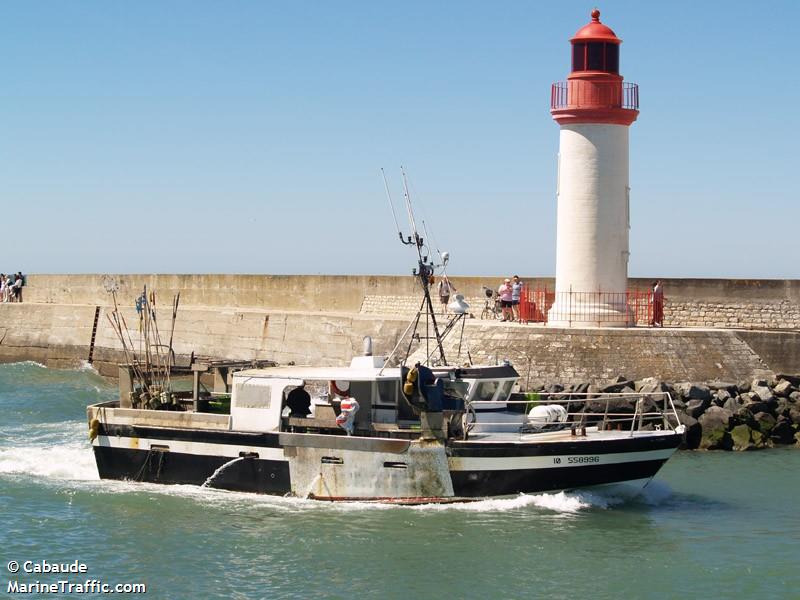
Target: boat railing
(622, 411)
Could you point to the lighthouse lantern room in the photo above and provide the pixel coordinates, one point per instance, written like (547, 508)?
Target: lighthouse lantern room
(594, 109)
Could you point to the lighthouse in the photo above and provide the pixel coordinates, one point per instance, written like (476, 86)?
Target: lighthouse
(594, 109)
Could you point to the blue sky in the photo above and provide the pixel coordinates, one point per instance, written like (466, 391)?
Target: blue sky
(248, 137)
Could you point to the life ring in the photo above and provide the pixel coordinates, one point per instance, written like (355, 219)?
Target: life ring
(342, 393)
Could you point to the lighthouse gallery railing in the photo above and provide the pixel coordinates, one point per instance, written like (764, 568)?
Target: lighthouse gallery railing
(578, 93)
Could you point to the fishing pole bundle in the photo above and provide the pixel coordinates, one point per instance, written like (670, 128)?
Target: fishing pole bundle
(149, 356)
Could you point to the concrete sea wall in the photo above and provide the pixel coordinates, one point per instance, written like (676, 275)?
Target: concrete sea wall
(741, 303)
(322, 319)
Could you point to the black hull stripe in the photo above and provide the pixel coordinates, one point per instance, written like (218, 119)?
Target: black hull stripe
(527, 481)
(272, 477)
(238, 438)
(577, 447)
(249, 475)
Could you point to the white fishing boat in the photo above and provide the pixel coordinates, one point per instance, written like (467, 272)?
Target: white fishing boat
(382, 429)
(433, 448)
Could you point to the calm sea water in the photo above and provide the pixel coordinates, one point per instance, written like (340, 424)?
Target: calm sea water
(711, 525)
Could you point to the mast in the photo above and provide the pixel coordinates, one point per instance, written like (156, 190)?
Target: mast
(423, 272)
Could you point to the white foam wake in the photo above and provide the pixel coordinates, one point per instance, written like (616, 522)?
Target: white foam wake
(560, 502)
(29, 363)
(69, 462)
(51, 451)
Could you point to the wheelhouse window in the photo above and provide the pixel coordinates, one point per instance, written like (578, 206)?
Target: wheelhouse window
(387, 391)
(506, 391)
(486, 390)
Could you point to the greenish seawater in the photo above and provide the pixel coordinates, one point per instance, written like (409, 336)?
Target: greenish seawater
(711, 525)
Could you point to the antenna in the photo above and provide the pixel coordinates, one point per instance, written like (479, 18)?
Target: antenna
(409, 209)
(429, 234)
(391, 204)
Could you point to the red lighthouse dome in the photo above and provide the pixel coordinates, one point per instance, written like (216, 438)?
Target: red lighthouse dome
(594, 91)
(596, 31)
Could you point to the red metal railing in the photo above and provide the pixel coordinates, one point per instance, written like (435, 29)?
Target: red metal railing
(582, 93)
(540, 305)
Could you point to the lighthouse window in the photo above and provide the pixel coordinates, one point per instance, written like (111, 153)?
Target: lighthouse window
(579, 57)
(612, 58)
(594, 56)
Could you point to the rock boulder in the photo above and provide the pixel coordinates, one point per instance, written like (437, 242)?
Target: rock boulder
(694, 432)
(783, 432)
(695, 391)
(715, 423)
(733, 404)
(793, 379)
(619, 385)
(697, 407)
(783, 389)
(721, 397)
(757, 406)
(765, 422)
(764, 393)
(741, 438)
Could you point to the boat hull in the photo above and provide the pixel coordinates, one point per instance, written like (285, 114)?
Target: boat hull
(248, 475)
(490, 469)
(340, 468)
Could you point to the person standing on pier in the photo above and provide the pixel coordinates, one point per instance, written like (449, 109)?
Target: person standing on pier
(17, 287)
(506, 292)
(516, 294)
(658, 304)
(445, 289)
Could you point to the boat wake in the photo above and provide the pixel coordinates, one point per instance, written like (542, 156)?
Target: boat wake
(54, 462)
(48, 451)
(557, 502)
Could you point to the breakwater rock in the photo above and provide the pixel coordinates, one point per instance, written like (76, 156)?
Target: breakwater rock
(718, 415)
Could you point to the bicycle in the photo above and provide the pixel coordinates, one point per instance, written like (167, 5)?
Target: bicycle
(491, 306)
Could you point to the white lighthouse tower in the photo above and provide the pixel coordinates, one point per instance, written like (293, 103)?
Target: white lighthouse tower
(594, 109)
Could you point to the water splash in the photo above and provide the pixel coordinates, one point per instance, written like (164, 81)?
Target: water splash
(217, 473)
(311, 486)
(56, 462)
(26, 363)
(560, 502)
(85, 365)
(48, 450)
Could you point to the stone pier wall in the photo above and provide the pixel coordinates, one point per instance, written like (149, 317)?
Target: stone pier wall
(322, 320)
(568, 356)
(778, 314)
(59, 335)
